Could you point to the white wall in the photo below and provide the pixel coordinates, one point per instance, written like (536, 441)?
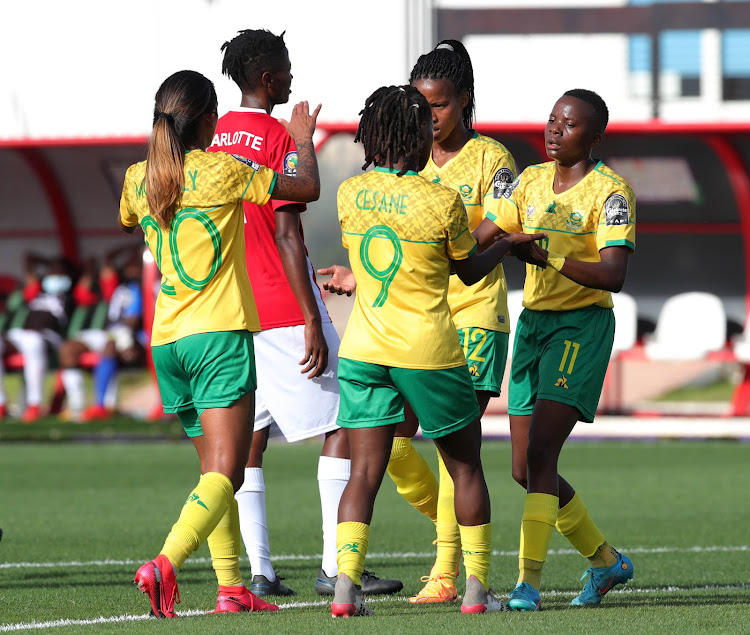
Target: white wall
(68, 70)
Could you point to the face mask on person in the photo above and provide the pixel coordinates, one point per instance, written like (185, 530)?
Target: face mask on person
(55, 284)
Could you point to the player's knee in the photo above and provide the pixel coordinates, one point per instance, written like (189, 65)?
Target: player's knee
(519, 475)
(538, 456)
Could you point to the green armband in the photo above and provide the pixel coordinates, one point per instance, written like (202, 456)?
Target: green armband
(556, 261)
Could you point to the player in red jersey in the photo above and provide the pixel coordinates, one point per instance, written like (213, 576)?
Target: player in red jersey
(297, 350)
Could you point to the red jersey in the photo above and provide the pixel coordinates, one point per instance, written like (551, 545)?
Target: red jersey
(254, 134)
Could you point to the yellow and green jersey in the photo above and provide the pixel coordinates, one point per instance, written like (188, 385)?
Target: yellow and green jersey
(480, 173)
(401, 233)
(204, 285)
(597, 212)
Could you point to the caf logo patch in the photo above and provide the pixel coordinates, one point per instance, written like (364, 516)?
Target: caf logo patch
(616, 210)
(248, 162)
(290, 164)
(501, 181)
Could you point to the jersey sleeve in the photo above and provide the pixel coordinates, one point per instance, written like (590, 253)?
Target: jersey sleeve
(283, 159)
(505, 211)
(341, 197)
(616, 226)
(251, 181)
(460, 242)
(127, 217)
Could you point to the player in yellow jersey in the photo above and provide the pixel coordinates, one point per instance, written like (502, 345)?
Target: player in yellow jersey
(403, 232)
(189, 205)
(479, 169)
(564, 335)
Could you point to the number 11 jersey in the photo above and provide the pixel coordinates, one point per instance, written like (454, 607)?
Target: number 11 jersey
(401, 233)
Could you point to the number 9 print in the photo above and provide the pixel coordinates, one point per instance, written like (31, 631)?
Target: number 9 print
(385, 276)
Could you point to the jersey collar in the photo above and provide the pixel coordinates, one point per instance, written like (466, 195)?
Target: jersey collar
(260, 111)
(394, 171)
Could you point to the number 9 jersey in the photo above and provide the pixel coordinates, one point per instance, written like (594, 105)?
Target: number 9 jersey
(401, 233)
(201, 257)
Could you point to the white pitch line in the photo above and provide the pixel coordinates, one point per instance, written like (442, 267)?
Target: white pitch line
(9, 628)
(385, 555)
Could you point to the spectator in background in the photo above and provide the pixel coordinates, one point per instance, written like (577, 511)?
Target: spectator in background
(49, 294)
(120, 343)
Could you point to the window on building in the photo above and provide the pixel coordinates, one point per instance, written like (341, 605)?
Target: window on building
(735, 62)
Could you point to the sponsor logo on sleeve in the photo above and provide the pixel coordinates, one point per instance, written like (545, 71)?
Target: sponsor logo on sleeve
(252, 164)
(616, 210)
(511, 188)
(290, 164)
(501, 182)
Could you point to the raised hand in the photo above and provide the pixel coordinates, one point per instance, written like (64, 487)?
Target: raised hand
(301, 124)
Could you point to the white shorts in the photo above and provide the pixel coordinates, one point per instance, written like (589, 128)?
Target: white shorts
(294, 406)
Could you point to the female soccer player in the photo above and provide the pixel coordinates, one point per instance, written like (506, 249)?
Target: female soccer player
(564, 335)
(479, 169)
(189, 205)
(297, 399)
(403, 232)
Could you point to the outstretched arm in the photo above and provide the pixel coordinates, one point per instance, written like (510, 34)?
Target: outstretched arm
(305, 186)
(294, 260)
(478, 265)
(609, 274)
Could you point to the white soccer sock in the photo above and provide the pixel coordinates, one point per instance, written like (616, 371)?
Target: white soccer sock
(251, 500)
(72, 379)
(333, 475)
(31, 345)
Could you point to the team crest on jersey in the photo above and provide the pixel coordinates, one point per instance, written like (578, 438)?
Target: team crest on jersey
(290, 164)
(465, 190)
(501, 182)
(616, 210)
(575, 220)
(254, 165)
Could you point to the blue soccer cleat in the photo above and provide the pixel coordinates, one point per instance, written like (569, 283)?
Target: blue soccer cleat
(524, 598)
(602, 580)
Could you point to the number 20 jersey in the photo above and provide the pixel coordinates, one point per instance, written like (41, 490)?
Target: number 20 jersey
(401, 232)
(201, 257)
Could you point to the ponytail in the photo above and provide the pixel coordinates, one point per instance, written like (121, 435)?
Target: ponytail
(181, 102)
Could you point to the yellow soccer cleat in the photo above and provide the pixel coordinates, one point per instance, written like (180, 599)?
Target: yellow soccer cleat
(440, 587)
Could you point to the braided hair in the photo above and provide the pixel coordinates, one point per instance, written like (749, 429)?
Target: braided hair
(250, 54)
(391, 126)
(449, 60)
(595, 101)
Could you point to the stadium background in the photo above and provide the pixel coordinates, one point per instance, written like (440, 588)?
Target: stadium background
(76, 112)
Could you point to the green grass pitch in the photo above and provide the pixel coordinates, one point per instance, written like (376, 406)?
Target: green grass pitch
(79, 518)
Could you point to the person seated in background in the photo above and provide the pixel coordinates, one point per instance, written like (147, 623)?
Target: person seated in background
(49, 294)
(120, 343)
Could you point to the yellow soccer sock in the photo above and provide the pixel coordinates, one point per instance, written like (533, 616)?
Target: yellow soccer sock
(537, 524)
(448, 536)
(202, 511)
(352, 539)
(224, 544)
(476, 542)
(575, 523)
(413, 477)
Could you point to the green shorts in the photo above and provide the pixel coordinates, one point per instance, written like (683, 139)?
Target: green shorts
(561, 356)
(372, 395)
(486, 354)
(207, 370)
